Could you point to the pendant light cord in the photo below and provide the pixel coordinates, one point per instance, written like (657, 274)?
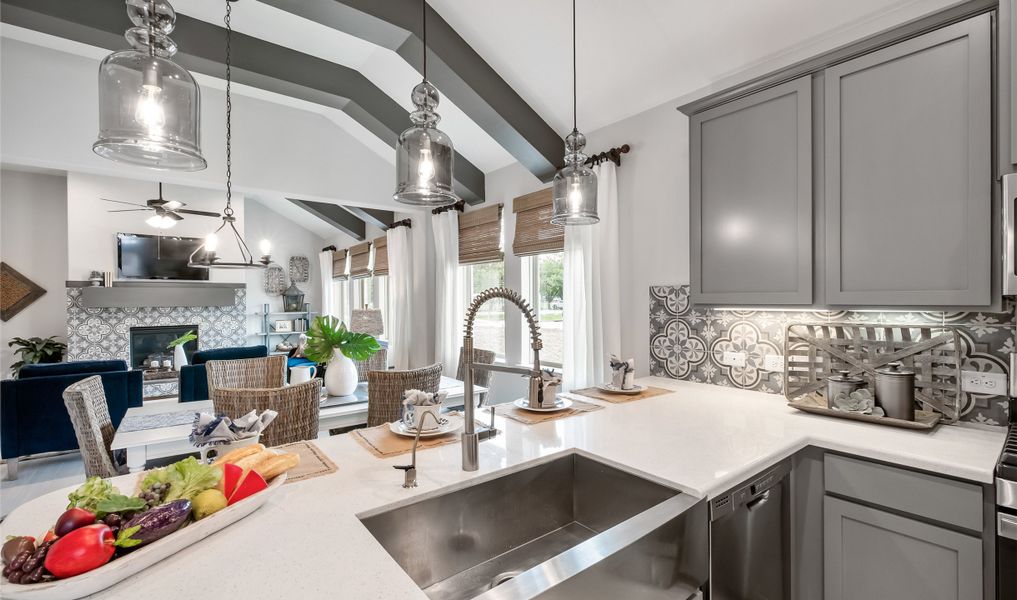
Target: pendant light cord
(575, 126)
(229, 110)
(423, 19)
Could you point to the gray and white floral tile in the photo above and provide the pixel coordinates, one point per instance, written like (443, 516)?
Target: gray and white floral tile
(104, 333)
(688, 342)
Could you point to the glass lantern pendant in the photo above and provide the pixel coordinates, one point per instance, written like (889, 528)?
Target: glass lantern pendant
(574, 188)
(149, 106)
(425, 154)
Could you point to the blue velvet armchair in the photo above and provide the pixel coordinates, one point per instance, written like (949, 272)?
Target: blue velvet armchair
(194, 380)
(33, 419)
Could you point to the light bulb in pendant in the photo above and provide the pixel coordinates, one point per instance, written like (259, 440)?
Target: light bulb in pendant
(425, 167)
(150, 111)
(575, 196)
(266, 247)
(211, 242)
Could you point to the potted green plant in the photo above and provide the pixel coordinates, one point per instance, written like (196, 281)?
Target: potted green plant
(177, 346)
(329, 341)
(36, 350)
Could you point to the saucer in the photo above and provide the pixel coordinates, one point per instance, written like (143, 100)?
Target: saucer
(611, 389)
(449, 424)
(560, 404)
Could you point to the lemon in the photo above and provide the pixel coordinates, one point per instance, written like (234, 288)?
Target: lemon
(208, 502)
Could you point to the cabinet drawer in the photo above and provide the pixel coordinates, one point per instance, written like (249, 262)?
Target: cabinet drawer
(935, 498)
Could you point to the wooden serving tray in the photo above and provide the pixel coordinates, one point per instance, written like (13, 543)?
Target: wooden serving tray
(816, 404)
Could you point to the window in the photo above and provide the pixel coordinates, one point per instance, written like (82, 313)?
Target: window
(544, 292)
(362, 292)
(340, 300)
(489, 327)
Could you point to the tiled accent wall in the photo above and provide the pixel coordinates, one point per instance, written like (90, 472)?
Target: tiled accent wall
(688, 343)
(104, 333)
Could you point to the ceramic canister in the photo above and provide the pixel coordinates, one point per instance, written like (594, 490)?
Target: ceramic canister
(842, 383)
(895, 391)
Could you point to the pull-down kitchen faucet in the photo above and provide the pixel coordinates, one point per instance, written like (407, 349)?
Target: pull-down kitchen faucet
(471, 438)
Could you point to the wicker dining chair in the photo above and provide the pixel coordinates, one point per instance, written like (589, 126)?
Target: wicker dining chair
(297, 406)
(247, 373)
(377, 362)
(481, 377)
(86, 404)
(385, 391)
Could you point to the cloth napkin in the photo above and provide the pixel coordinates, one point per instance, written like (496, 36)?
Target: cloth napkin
(212, 430)
(419, 398)
(549, 383)
(621, 368)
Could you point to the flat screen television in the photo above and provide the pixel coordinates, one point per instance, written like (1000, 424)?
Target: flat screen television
(144, 256)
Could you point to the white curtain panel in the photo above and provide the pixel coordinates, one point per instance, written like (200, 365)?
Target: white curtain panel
(592, 313)
(325, 269)
(400, 281)
(449, 312)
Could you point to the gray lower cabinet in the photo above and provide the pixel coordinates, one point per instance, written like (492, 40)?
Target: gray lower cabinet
(751, 199)
(908, 172)
(870, 553)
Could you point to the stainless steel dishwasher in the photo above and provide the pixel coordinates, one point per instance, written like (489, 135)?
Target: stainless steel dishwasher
(750, 538)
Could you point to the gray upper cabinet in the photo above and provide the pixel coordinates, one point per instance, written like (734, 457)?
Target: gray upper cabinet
(908, 172)
(870, 553)
(751, 199)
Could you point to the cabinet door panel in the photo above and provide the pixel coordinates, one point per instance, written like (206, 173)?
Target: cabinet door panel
(909, 173)
(874, 554)
(751, 205)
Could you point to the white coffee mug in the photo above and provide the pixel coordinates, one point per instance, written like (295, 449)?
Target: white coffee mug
(302, 373)
(414, 415)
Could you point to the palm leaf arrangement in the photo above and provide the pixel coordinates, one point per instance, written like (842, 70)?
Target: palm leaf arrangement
(327, 334)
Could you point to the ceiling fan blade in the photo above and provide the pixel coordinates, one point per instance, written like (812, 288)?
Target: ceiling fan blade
(130, 210)
(203, 213)
(122, 202)
(173, 215)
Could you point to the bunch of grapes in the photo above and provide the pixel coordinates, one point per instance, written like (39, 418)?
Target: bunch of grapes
(113, 521)
(155, 494)
(27, 567)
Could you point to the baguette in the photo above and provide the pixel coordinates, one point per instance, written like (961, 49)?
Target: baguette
(234, 455)
(276, 465)
(249, 462)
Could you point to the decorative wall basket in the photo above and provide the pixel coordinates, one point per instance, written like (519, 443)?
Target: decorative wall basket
(16, 292)
(300, 269)
(275, 280)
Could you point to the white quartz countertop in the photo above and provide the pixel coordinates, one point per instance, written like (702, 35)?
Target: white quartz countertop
(307, 541)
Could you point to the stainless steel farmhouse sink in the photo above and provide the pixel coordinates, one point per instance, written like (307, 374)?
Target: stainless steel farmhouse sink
(572, 527)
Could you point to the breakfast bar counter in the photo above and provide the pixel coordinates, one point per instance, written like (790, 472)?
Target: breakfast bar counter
(308, 541)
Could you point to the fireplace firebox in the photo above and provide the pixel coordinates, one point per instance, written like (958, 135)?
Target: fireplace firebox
(149, 342)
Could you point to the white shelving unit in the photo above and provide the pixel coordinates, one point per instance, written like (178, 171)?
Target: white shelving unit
(269, 337)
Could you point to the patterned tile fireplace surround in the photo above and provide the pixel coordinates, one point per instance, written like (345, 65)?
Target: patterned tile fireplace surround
(688, 342)
(104, 333)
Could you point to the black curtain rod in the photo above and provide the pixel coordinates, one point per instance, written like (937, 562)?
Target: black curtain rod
(329, 248)
(460, 206)
(613, 155)
(403, 223)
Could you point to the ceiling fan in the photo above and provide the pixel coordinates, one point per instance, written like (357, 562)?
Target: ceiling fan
(167, 212)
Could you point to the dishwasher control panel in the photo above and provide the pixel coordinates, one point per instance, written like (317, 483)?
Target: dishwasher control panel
(748, 491)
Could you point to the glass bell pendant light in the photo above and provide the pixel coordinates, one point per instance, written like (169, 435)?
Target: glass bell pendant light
(424, 155)
(205, 256)
(574, 186)
(149, 106)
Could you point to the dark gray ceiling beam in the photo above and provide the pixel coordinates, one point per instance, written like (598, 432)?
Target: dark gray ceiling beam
(335, 216)
(257, 63)
(372, 216)
(458, 71)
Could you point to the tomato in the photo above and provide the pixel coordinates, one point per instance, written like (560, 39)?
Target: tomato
(80, 551)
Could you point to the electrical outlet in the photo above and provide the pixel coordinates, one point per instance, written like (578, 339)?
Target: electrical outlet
(773, 363)
(976, 382)
(734, 359)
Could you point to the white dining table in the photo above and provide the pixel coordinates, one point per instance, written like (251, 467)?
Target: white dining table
(161, 429)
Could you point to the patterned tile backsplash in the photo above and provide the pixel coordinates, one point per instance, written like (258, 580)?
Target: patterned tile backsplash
(689, 342)
(104, 333)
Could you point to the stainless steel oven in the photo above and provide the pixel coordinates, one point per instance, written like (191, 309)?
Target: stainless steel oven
(1010, 235)
(1006, 539)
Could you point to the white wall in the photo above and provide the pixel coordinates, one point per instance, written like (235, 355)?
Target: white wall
(33, 240)
(288, 239)
(91, 234)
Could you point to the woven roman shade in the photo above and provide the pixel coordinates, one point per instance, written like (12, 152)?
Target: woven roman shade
(380, 255)
(480, 236)
(339, 264)
(360, 260)
(535, 234)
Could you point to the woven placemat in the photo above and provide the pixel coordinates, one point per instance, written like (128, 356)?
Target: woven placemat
(511, 411)
(313, 462)
(381, 442)
(649, 392)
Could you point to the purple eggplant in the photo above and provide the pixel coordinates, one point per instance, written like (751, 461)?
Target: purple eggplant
(158, 522)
